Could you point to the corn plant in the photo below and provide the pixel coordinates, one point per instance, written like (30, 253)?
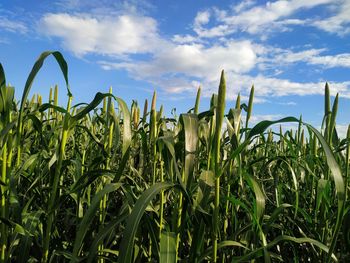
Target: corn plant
(98, 182)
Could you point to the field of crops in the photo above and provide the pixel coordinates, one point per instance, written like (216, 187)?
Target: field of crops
(111, 182)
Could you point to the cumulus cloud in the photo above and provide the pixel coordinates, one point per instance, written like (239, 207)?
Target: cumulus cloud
(180, 63)
(196, 60)
(255, 20)
(178, 78)
(119, 35)
(202, 18)
(180, 68)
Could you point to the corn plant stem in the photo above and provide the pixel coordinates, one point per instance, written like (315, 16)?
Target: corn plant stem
(49, 114)
(80, 209)
(162, 201)
(217, 142)
(227, 207)
(55, 102)
(210, 161)
(19, 146)
(237, 131)
(216, 218)
(109, 139)
(38, 212)
(179, 215)
(154, 150)
(3, 203)
(153, 132)
(6, 166)
(341, 210)
(347, 164)
(328, 125)
(154, 164)
(68, 110)
(55, 186)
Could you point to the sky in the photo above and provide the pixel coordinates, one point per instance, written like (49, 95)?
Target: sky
(287, 49)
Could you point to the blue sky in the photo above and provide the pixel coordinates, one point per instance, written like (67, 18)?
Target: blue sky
(287, 49)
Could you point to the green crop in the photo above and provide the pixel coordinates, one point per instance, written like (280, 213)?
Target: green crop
(97, 183)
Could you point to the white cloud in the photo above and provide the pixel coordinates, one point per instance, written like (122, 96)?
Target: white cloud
(119, 35)
(196, 60)
(185, 39)
(175, 75)
(257, 19)
(69, 4)
(339, 23)
(183, 62)
(256, 118)
(340, 60)
(288, 56)
(275, 87)
(12, 26)
(202, 18)
(243, 5)
(310, 56)
(276, 16)
(288, 103)
(342, 130)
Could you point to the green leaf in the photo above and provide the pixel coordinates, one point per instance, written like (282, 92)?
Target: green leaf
(190, 126)
(6, 100)
(46, 106)
(259, 197)
(101, 235)
(259, 252)
(17, 228)
(2, 77)
(88, 178)
(221, 245)
(92, 105)
(168, 247)
(127, 136)
(323, 186)
(37, 66)
(133, 220)
(169, 143)
(296, 185)
(263, 125)
(5, 131)
(89, 215)
(333, 166)
(339, 186)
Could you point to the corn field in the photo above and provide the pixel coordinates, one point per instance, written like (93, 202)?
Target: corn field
(107, 182)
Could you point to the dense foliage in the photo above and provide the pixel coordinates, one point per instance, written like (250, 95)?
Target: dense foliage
(92, 182)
